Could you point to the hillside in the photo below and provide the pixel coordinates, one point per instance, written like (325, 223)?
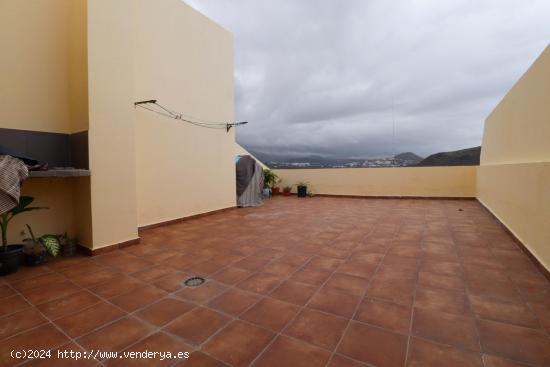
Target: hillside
(463, 157)
(409, 156)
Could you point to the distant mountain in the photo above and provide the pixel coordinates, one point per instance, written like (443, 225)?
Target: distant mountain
(409, 156)
(464, 157)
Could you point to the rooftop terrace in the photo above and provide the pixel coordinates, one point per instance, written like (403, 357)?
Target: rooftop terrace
(298, 282)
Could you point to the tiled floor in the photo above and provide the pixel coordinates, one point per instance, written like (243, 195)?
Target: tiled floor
(298, 282)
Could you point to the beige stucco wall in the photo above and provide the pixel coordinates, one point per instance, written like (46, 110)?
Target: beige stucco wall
(43, 87)
(514, 175)
(111, 121)
(400, 181)
(185, 61)
(42, 74)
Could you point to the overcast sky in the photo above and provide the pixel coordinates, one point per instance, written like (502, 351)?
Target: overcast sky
(321, 76)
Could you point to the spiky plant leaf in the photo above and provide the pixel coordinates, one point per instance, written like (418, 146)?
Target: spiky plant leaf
(51, 243)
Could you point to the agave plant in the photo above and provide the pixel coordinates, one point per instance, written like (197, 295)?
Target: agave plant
(21, 207)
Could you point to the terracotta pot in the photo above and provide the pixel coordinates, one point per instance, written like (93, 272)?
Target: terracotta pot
(275, 191)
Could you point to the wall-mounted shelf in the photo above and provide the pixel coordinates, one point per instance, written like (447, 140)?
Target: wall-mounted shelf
(62, 172)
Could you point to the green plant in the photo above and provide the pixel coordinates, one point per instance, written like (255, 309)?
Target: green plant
(287, 189)
(301, 184)
(49, 242)
(270, 178)
(5, 219)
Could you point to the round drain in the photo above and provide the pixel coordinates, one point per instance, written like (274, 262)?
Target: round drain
(194, 281)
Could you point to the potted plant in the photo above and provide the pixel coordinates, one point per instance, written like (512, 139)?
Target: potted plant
(302, 189)
(68, 245)
(275, 190)
(270, 179)
(287, 190)
(10, 255)
(36, 249)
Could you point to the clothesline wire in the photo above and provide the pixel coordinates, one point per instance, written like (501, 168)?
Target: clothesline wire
(179, 116)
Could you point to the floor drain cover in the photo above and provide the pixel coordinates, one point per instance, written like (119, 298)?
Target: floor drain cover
(194, 281)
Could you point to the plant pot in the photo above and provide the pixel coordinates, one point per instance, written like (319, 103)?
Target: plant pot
(10, 259)
(286, 193)
(302, 191)
(35, 259)
(275, 191)
(266, 193)
(68, 249)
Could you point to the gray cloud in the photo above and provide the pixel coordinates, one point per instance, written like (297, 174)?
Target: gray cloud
(321, 76)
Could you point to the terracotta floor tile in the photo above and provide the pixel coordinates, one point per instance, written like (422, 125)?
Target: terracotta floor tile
(396, 292)
(271, 314)
(357, 268)
(347, 284)
(334, 302)
(317, 328)
(262, 283)
(251, 263)
(27, 272)
(138, 298)
(91, 279)
(373, 345)
(293, 292)
(513, 313)
(239, 343)
(115, 336)
(231, 275)
(542, 310)
(280, 268)
(20, 321)
(116, 287)
(6, 291)
(197, 325)
(492, 361)
(198, 359)
(12, 304)
(423, 353)
(203, 293)
(290, 352)
(311, 276)
(442, 300)
(234, 301)
(434, 280)
(324, 263)
(205, 268)
(514, 342)
(504, 291)
(441, 267)
(384, 314)
(456, 330)
(172, 281)
(341, 361)
(44, 294)
(164, 311)
(44, 337)
(294, 258)
(158, 342)
(89, 319)
(87, 267)
(68, 305)
(39, 281)
(152, 273)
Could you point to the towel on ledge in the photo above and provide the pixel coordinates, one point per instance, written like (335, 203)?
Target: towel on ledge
(12, 172)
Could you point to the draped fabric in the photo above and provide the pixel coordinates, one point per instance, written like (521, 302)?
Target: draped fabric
(12, 172)
(250, 182)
